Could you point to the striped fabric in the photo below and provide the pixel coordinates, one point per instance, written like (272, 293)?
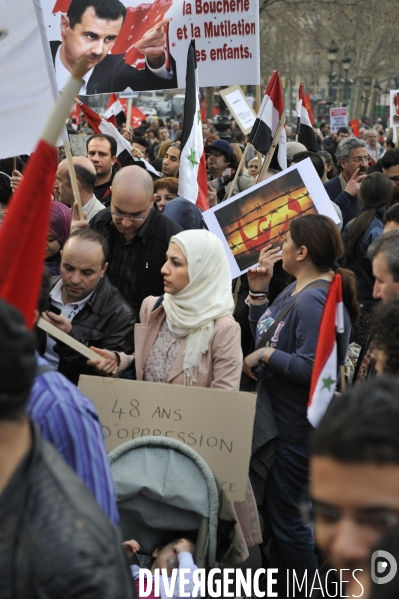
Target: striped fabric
(69, 421)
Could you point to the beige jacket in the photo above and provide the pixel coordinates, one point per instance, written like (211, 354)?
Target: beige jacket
(220, 366)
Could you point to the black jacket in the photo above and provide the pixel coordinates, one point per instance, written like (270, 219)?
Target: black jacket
(348, 204)
(112, 74)
(106, 321)
(55, 540)
(151, 254)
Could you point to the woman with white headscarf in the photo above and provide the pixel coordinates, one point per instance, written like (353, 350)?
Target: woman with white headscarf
(188, 336)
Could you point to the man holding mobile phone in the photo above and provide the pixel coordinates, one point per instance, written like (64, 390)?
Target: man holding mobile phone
(91, 309)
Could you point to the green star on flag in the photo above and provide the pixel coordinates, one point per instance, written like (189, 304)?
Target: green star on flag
(191, 158)
(199, 116)
(328, 382)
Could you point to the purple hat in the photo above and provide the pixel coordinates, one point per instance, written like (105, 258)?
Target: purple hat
(223, 145)
(60, 221)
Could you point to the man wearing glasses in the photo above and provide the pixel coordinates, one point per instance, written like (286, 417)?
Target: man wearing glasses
(390, 168)
(355, 478)
(353, 160)
(138, 236)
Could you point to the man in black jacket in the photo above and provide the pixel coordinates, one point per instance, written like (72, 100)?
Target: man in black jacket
(86, 306)
(138, 235)
(55, 540)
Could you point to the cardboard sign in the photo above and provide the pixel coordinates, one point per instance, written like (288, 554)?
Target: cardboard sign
(226, 33)
(338, 118)
(238, 105)
(262, 214)
(217, 424)
(78, 144)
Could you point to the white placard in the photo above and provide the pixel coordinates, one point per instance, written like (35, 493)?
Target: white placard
(261, 215)
(338, 118)
(239, 108)
(226, 33)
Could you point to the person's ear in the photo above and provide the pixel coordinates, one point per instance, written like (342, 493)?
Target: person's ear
(104, 268)
(302, 253)
(64, 23)
(113, 160)
(342, 162)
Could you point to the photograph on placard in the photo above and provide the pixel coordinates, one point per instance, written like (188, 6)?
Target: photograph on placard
(262, 214)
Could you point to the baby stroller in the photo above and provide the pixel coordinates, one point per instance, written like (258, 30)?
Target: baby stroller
(163, 485)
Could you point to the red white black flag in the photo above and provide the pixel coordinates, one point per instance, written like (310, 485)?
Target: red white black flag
(265, 126)
(306, 135)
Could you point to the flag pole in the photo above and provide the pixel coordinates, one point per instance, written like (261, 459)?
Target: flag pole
(342, 377)
(242, 161)
(129, 113)
(269, 155)
(258, 103)
(74, 181)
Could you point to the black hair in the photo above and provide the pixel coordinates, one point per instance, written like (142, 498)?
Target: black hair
(392, 214)
(390, 158)
(320, 235)
(386, 333)
(112, 141)
(328, 159)
(317, 160)
(142, 141)
(375, 192)
(111, 10)
(91, 235)
(7, 165)
(175, 535)
(361, 426)
(240, 137)
(343, 130)
(5, 189)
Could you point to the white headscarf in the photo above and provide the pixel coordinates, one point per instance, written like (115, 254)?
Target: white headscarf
(208, 295)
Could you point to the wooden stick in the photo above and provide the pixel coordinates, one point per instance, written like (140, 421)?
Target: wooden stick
(260, 158)
(129, 114)
(270, 153)
(74, 181)
(14, 163)
(342, 378)
(67, 339)
(62, 108)
(242, 161)
(258, 101)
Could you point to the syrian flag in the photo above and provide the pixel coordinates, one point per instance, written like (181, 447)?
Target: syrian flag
(193, 183)
(330, 352)
(123, 151)
(306, 135)
(114, 113)
(265, 126)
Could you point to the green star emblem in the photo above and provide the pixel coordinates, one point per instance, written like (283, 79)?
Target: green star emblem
(327, 383)
(192, 159)
(199, 116)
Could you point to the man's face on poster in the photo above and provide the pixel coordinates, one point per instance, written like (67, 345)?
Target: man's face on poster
(92, 37)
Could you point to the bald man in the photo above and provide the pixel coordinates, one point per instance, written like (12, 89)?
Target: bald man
(138, 236)
(86, 176)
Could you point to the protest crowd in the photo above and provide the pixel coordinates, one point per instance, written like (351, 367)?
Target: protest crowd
(137, 288)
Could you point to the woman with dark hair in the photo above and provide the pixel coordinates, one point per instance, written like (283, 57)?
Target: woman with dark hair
(286, 335)
(59, 230)
(376, 192)
(330, 170)
(165, 190)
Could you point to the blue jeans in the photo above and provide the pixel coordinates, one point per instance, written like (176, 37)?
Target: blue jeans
(291, 543)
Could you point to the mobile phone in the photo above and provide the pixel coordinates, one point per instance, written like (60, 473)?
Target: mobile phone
(54, 309)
